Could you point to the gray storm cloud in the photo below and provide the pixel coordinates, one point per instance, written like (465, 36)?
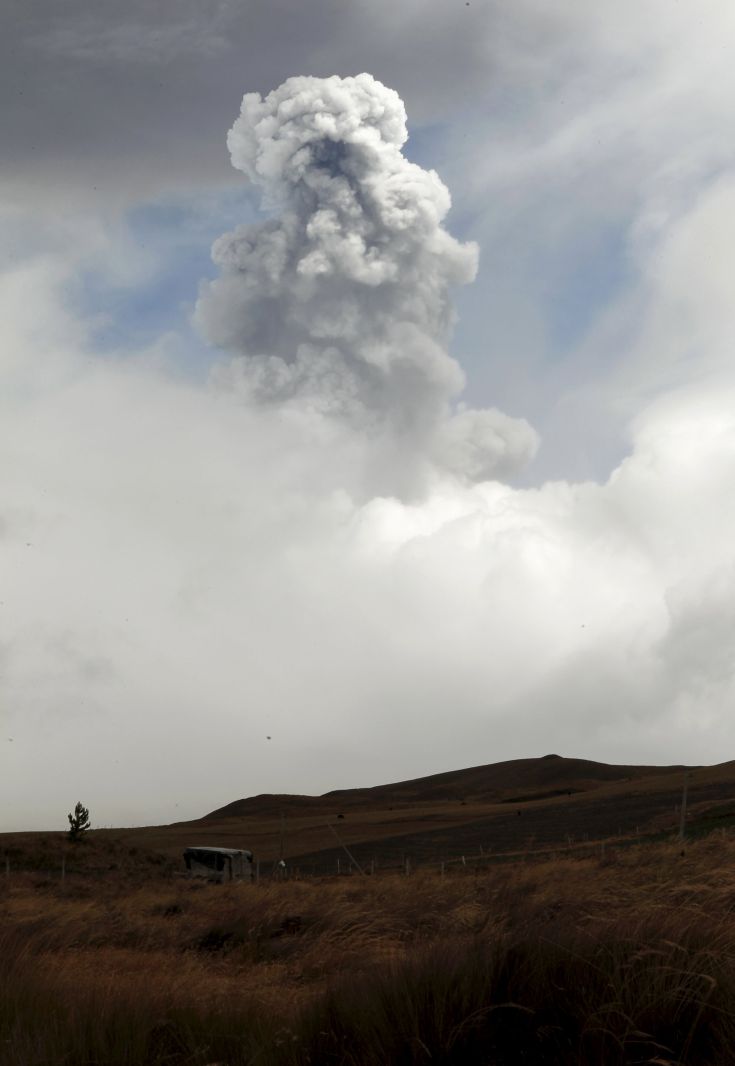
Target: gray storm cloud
(340, 301)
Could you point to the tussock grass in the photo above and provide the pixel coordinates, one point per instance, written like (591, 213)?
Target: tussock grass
(626, 960)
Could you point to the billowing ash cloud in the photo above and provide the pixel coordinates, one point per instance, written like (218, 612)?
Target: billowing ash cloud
(340, 302)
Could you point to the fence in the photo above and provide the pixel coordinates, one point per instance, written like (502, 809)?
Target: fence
(347, 864)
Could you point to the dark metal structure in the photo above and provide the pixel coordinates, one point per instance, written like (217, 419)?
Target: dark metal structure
(220, 864)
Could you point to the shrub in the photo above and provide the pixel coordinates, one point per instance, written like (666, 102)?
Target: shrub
(78, 823)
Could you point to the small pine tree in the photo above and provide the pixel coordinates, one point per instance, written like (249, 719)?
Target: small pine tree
(78, 822)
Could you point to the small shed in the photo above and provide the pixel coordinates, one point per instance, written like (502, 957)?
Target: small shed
(219, 864)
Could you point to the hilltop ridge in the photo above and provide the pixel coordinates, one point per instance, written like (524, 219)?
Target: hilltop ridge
(513, 780)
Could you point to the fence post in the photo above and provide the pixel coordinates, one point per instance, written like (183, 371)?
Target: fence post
(683, 820)
(63, 867)
(408, 866)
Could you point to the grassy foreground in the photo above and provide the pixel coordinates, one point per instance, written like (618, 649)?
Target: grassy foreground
(626, 959)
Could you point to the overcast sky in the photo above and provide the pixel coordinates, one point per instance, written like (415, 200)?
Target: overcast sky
(429, 462)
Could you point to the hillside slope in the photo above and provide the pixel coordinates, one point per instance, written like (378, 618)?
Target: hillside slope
(515, 780)
(524, 805)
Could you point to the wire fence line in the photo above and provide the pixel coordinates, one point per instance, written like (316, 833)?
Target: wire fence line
(346, 865)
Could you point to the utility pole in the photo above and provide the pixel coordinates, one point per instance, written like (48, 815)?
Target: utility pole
(683, 822)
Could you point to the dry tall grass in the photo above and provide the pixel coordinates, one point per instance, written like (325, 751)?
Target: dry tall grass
(630, 959)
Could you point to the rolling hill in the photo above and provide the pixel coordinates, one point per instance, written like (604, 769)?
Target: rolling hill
(514, 808)
(512, 781)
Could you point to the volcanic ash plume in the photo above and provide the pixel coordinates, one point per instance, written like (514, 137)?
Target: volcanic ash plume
(339, 303)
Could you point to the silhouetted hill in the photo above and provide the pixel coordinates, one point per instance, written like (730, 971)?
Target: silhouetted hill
(515, 780)
(520, 806)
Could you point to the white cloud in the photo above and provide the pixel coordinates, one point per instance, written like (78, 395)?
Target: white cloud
(185, 570)
(570, 173)
(185, 573)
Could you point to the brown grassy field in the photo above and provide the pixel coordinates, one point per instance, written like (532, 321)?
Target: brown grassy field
(626, 958)
(580, 931)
